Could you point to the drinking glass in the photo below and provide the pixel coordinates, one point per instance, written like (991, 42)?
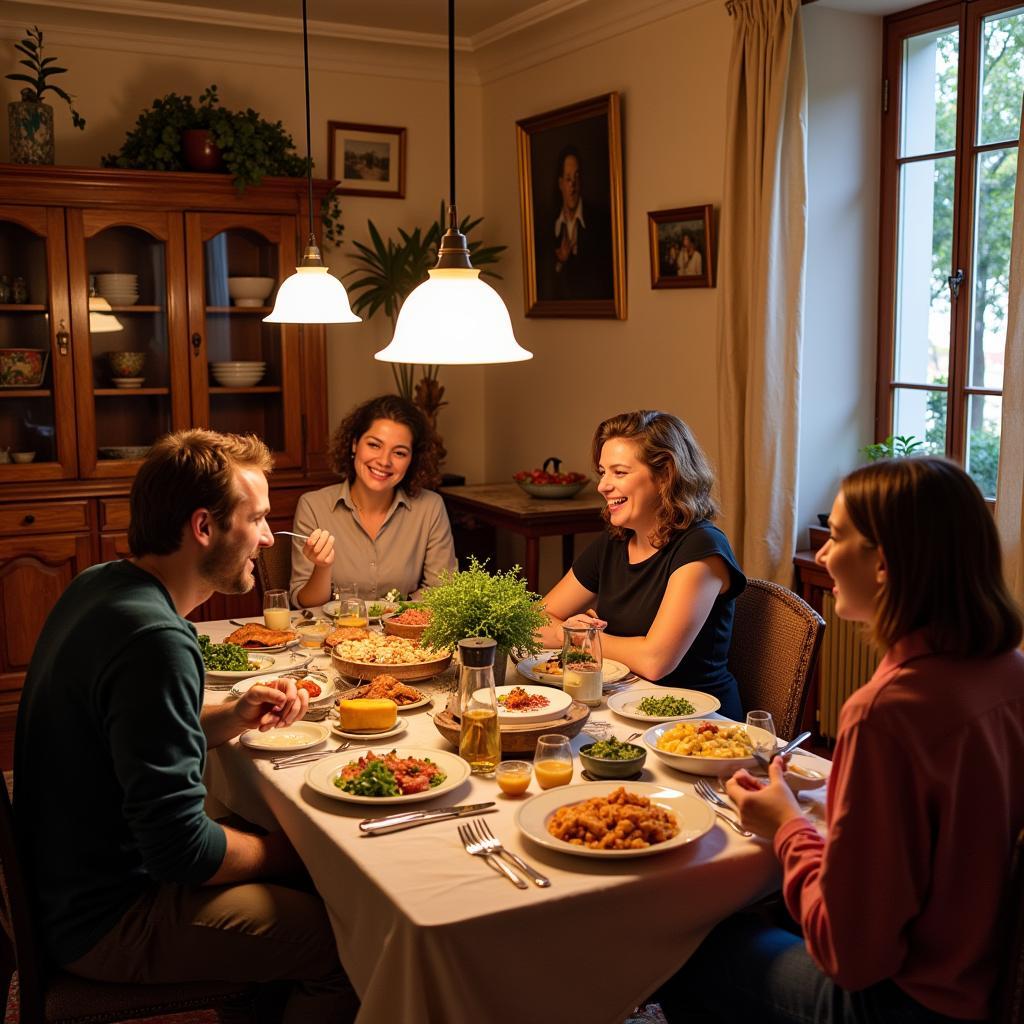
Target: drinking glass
(552, 763)
(275, 609)
(765, 745)
(352, 612)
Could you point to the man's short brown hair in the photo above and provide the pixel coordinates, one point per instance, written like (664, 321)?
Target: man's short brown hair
(185, 471)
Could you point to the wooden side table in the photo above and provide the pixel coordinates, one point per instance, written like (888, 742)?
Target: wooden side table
(508, 507)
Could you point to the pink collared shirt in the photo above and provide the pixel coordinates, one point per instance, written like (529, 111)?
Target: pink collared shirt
(924, 804)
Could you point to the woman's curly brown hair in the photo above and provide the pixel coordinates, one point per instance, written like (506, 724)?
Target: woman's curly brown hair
(678, 465)
(423, 466)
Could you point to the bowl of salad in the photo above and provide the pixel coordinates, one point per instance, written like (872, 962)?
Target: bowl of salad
(612, 759)
(545, 483)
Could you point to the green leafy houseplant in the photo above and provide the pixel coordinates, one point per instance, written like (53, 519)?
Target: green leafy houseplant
(898, 447)
(250, 146)
(389, 270)
(42, 68)
(474, 602)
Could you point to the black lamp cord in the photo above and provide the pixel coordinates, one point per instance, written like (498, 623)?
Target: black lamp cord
(451, 108)
(309, 159)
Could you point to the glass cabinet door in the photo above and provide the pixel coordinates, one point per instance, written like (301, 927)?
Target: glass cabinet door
(127, 272)
(245, 373)
(37, 426)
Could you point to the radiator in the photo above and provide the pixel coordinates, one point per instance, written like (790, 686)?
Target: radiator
(847, 662)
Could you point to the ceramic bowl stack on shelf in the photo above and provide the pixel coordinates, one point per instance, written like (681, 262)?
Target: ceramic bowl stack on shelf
(118, 289)
(250, 291)
(238, 373)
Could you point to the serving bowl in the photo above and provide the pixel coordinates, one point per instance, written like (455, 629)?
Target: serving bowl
(612, 768)
(250, 291)
(22, 367)
(238, 374)
(552, 490)
(699, 765)
(408, 630)
(23, 457)
(126, 364)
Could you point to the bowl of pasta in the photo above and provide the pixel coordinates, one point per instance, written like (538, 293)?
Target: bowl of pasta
(701, 746)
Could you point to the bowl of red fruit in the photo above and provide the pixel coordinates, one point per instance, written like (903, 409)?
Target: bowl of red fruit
(545, 483)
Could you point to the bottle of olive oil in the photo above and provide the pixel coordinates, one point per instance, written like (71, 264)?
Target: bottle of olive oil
(479, 737)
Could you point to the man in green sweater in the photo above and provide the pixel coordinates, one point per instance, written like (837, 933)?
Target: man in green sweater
(131, 880)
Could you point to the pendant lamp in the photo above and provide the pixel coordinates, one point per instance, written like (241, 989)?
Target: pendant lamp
(454, 317)
(311, 295)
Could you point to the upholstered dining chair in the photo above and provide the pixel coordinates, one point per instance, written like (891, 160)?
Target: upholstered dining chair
(1010, 1003)
(274, 565)
(776, 636)
(47, 996)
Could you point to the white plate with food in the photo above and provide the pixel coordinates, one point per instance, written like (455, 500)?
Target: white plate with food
(297, 736)
(374, 609)
(378, 690)
(369, 737)
(546, 668)
(683, 819)
(530, 704)
(273, 649)
(662, 704)
(402, 769)
(712, 747)
(319, 689)
(258, 664)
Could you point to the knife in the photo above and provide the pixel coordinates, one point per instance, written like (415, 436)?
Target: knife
(410, 819)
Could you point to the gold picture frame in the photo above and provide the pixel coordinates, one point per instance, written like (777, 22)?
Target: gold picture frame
(682, 247)
(574, 257)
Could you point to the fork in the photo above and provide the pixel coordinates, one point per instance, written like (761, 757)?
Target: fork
(493, 844)
(704, 790)
(477, 849)
(306, 755)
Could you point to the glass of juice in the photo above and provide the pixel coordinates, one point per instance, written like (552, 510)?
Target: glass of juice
(513, 777)
(552, 762)
(352, 612)
(275, 610)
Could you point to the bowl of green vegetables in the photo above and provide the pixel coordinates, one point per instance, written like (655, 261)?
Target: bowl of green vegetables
(225, 664)
(612, 759)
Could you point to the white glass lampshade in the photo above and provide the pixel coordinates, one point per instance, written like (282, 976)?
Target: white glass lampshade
(454, 318)
(101, 319)
(312, 296)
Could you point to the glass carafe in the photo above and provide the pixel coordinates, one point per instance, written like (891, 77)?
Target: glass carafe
(479, 736)
(582, 664)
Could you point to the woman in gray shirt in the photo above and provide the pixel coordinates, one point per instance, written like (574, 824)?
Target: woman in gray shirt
(378, 528)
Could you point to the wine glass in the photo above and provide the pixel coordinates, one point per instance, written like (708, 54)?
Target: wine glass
(763, 742)
(275, 609)
(552, 762)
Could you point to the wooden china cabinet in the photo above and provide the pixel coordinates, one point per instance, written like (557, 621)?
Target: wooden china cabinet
(182, 236)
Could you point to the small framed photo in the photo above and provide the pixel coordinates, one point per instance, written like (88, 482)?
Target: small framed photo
(682, 247)
(570, 198)
(366, 159)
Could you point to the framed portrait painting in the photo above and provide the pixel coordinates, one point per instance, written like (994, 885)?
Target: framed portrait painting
(366, 159)
(570, 195)
(682, 247)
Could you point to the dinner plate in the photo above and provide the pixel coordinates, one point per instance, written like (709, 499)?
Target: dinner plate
(331, 609)
(297, 736)
(218, 679)
(328, 688)
(625, 703)
(421, 703)
(558, 702)
(276, 649)
(321, 774)
(611, 671)
(700, 765)
(369, 737)
(695, 817)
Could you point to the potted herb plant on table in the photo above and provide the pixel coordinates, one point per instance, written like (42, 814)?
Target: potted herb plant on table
(474, 602)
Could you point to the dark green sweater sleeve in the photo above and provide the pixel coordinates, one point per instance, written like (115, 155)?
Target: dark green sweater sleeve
(148, 701)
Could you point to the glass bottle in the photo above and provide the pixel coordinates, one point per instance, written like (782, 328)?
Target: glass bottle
(19, 291)
(582, 663)
(479, 735)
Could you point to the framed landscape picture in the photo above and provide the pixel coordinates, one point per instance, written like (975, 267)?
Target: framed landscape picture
(682, 247)
(366, 159)
(570, 197)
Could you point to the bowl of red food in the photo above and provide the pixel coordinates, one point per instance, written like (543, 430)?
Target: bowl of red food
(409, 622)
(550, 483)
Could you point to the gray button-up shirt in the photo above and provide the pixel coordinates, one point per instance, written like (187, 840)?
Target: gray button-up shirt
(409, 552)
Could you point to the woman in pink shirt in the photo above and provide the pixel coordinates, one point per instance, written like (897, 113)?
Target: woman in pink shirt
(901, 907)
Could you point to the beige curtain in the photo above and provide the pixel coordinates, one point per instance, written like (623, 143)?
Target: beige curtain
(761, 284)
(1010, 489)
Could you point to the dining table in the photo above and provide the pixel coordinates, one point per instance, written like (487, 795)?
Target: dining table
(431, 935)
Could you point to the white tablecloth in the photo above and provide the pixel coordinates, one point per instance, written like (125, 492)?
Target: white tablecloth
(430, 935)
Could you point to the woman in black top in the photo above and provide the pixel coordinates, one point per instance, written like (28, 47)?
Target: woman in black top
(663, 580)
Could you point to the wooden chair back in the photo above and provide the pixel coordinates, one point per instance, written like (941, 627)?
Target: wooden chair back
(776, 637)
(274, 565)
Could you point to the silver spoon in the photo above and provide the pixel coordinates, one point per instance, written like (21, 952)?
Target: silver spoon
(288, 533)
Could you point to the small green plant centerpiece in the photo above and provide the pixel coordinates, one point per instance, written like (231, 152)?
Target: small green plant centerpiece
(474, 602)
(30, 119)
(244, 144)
